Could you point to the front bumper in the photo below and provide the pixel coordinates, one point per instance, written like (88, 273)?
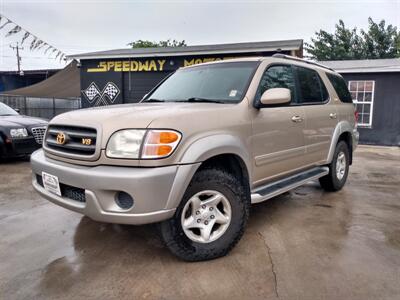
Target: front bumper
(156, 191)
(19, 147)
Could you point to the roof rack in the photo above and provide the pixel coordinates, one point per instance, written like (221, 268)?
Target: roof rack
(284, 56)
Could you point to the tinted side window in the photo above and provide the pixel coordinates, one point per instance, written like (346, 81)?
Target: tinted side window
(277, 77)
(340, 87)
(312, 89)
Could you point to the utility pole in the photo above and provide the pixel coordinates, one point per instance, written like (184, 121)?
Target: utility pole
(18, 57)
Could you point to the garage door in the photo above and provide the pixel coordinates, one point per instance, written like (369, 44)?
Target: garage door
(137, 84)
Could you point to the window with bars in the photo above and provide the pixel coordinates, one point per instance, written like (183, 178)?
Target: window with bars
(362, 92)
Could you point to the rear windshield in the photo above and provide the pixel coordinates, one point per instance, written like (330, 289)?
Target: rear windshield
(222, 82)
(340, 87)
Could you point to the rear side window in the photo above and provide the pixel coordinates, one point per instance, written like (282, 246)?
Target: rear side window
(340, 87)
(312, 89)
(279, 76)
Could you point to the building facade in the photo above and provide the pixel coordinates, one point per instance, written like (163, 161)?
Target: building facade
(126, 75)
(375, 88)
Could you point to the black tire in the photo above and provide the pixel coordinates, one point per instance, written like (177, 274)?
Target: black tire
(179, 243)
(331, 182)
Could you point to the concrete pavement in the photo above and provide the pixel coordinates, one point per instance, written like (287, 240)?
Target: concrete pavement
(306, 244)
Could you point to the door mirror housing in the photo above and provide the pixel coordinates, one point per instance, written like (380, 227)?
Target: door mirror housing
(276, 96)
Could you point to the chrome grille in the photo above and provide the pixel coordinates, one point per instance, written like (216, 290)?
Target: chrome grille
(77, 140)
(38, 134)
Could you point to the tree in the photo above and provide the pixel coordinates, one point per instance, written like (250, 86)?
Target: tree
(152, 44)
(379, 41)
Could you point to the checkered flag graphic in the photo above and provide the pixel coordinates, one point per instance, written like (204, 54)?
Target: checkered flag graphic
(111, 91)
(92, 92)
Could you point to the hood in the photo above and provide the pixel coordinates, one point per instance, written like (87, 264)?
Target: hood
(20, 121)
(140, 115)
(125, 115)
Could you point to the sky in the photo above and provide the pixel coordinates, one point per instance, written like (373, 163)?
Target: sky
(84, 26)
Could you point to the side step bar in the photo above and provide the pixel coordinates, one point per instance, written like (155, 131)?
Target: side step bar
(276, 188)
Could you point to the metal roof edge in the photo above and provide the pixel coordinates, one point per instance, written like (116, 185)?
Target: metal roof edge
(101, 54)
(179, 53)
(347, 71)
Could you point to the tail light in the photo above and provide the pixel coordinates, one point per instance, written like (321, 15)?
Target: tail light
(356, 116)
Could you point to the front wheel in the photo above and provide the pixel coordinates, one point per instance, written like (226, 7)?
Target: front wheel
(210, 219)
(338, 169)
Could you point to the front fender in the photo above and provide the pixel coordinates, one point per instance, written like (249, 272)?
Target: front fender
(210, 146)
(199, 151)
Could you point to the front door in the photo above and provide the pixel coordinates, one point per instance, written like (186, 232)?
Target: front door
(278, 140)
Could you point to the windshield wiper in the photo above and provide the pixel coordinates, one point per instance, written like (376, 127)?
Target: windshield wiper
(154, 100)
(198, 99)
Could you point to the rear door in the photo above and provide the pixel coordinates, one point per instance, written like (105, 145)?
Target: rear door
(321, 114)
(278, 142)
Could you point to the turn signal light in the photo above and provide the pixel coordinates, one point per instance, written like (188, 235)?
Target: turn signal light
(156, 151)
(160, 143)
(163, 137)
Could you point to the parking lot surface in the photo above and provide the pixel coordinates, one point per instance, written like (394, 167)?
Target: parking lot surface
(306, 244)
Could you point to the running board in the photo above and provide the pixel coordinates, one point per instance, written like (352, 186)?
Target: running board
(276, 188)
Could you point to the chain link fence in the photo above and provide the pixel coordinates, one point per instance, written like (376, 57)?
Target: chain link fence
(46, 108)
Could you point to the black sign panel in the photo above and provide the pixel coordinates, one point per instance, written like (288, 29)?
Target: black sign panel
(101, 89)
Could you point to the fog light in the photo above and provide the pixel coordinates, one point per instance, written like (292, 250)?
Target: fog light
(124, 200)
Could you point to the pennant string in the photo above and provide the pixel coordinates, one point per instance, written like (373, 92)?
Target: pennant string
(36, 43)
(16, 29)
(26, 35)
(5, 24)
(48, 48)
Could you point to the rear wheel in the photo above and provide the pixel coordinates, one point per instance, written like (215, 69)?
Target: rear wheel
(338, 169)
(210, 219)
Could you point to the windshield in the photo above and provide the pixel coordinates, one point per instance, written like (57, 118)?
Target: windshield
(6, 110)
(222, 82)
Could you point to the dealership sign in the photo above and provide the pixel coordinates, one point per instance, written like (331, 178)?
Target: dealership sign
(148, 65)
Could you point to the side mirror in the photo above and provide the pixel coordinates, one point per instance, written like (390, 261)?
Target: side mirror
(17, 110)
(276, 96)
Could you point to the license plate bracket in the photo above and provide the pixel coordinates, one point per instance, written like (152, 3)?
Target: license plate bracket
(51, 183)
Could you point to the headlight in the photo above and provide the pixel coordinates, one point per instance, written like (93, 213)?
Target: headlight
(135, 144)
(18, 132)
(125, 143)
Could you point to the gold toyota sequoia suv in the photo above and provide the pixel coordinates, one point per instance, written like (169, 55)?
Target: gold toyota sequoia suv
(200, 148)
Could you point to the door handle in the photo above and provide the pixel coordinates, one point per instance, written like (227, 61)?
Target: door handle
(333, 115)
(297, 119)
